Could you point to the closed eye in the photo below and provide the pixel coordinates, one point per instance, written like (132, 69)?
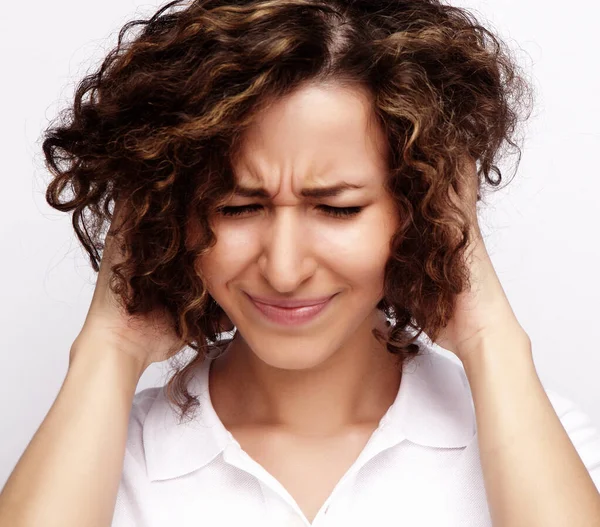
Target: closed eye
(337, 212)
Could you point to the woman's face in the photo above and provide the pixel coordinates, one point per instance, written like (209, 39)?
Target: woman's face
(288, 246)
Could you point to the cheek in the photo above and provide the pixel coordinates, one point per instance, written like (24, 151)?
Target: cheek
(358, 251)
(230, 254)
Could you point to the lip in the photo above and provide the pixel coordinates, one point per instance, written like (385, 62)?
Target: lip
(300, 311)
(290, 303)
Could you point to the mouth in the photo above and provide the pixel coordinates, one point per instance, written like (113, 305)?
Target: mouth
(290, 316)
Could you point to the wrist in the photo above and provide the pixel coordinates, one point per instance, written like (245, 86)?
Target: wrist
(99, 354)
(512, 347)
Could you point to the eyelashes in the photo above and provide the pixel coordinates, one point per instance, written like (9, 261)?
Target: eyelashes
(245, 210)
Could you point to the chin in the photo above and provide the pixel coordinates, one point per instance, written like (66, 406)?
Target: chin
(292, 352)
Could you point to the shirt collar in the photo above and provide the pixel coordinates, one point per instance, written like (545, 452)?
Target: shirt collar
(433, 408)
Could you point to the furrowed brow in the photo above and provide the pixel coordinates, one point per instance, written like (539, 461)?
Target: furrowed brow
(316, 192)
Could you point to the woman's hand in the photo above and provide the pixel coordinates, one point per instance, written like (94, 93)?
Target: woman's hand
(482, 311)
(148, 338)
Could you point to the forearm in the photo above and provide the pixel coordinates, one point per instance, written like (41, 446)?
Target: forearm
(69, 474)
(532, 473)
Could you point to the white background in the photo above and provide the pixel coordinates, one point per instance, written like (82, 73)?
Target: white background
(543, 228)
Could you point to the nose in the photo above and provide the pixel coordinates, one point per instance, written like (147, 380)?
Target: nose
(286, 259)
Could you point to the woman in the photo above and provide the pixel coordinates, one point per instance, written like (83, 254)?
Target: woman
(305, 175)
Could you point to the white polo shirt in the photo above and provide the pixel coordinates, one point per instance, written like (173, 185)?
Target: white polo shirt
(420, 468)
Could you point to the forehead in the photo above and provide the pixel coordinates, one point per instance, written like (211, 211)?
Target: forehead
(317, 136)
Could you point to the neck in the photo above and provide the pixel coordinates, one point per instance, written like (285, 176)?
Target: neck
(354, 386)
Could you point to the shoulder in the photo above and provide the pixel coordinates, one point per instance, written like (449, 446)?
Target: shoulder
(444, 365)
(132, 500)
(582, 431)
(142, 403)
(152, 407)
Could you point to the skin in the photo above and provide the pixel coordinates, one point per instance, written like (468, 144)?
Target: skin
(331, 374)
(318, 380)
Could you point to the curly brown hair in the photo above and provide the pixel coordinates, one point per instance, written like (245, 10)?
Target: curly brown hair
(160, 123)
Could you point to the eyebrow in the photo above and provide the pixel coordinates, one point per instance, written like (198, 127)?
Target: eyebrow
(315, 192)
